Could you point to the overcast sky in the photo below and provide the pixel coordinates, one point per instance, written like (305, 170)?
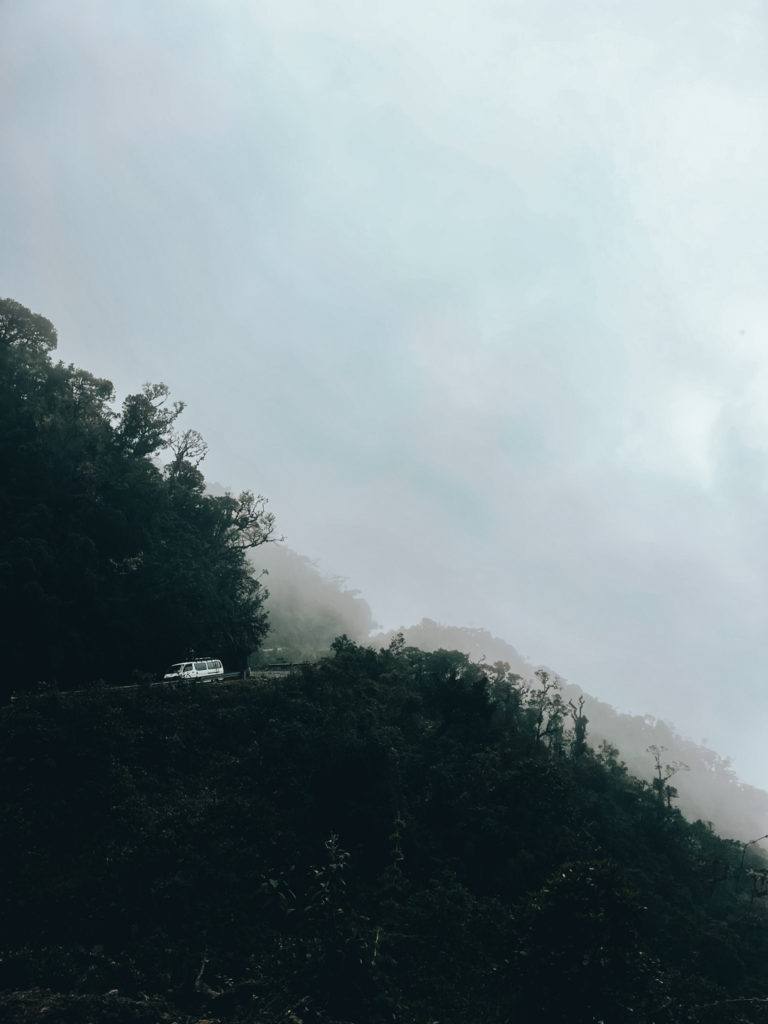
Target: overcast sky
(473, 292)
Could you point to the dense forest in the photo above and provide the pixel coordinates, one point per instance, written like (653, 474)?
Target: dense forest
(382, 836)
(706, 783)
(111, 562)
(386, 833)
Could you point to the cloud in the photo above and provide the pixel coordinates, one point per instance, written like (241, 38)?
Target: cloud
(473, 292)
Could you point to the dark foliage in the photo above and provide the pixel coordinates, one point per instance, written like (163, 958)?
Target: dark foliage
(108, 563)
(383, 836)
(707, 785)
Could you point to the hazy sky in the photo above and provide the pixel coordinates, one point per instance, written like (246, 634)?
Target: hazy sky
(474, 292)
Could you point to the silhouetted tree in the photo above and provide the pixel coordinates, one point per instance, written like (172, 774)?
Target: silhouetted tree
(107, 562)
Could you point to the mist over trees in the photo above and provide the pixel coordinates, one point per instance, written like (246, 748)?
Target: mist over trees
(707, 788)
(111, 562)
(307, 610)
(480, 645)
(434, 830)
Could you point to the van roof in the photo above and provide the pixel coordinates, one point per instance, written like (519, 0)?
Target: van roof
(196, 658)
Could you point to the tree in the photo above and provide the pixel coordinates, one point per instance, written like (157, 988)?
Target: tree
(580, 722)
(664, 773)
(107, 562)
(547, 709)
(146, 423)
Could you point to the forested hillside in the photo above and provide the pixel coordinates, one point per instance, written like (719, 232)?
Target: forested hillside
(111, 563)
(383, 836)
(707, 786)
(386, 834)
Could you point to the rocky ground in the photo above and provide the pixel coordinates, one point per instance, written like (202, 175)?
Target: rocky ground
(44, 1007)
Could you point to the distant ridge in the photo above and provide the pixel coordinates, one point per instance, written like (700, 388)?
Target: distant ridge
(709, 789)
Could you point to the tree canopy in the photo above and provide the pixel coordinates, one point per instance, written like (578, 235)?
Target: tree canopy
(384, 835)
(109, 561)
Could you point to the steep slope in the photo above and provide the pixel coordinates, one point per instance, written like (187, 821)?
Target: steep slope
(707, 786)
(385, 835)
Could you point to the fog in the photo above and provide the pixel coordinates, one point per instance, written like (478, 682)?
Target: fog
(307, 609)
(474, 293)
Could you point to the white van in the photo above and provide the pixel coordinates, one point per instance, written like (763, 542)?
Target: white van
(202, 668)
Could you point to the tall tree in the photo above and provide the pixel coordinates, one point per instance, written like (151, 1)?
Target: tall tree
(107, 562)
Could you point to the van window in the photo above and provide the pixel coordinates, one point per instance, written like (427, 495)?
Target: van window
(201, 666)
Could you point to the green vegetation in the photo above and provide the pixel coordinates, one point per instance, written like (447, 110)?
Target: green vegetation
(110, 563)
(388, 835)
(708, 787)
